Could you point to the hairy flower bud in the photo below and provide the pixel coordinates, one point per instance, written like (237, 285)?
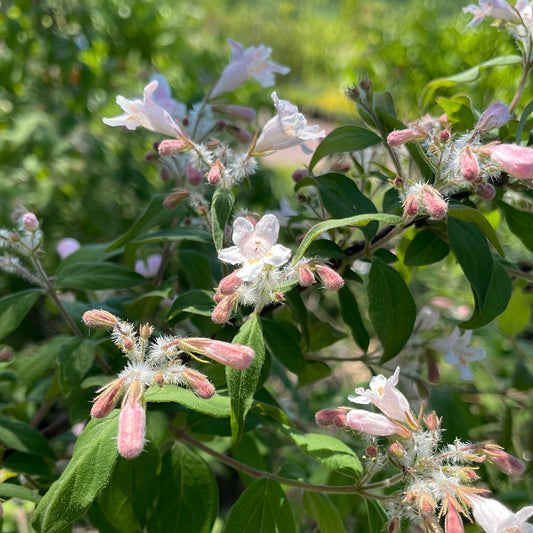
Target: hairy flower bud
(230, 283)
(398, 137)
(487, 191)
(330, 417)
(105, 402)
(410, 206)
(131, 430)
(453, 522)
(306, 276)
(200, 385)
(433, 202)
(503, 461)
(99, 318)
(194, 175)
(175, 198)
(223, 309)
(215, 173)
(469, 165)
(330, 278)
(235, 355)
(30, 222)
(170, 147)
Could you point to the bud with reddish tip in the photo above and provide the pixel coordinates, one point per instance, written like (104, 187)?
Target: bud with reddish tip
(398, 137)
(503, 461)
(469, 165)
(239, 134)
(215, 173)
(432, 421)
(131, 429)
(445, 135)
(175, 198)
(170, 147)
(453, 522)
(230, 283)
(223, 309)
(330, 278)
(107, 399)
(433, 202)
(200, 385)
(194, 175)
(514, 159)
(237, 356)
(396, 449)
(410, 206)
(306, 276)
(330, 417)
(99, 318)
(30, 222)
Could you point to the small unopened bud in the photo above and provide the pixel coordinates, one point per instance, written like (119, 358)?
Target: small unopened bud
(175, 198)
(371, 451)
(444, 135)
(410, 206)
(30, 222)
(5, 355)
(151, 156)
(453, 522)
(230, 283)
(223, 309)
(398, 181)
(239, 134)
(394, 526)
(131, 430)
(433, 202)
(105, 402)
(330, 417)
(145, 331)
(398, 137)
(504, 462)
(194, 175)
(215, 173)
(299, 174)
(306, 276)
(236, 112)
(469, 165)
(396, 449)
(330, 278)
(170, 147)
(468, 473)
(432, 421)
(99, 318)
(487, 191)
(237, 356)
(200, 385)
(495, 116)
(426, 503)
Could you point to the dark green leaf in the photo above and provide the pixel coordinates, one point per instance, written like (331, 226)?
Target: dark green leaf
(196, 302)
(391, 308)
(299, 312)
(528, 109)
(262, 508)
(181, 233)
(75, 360)
(97, 276)
(281, 341)
(344, 139)
(13, 309)
(10, 490)
(352, 317)
(322, 334)
(425, 248)
(325, 248)
(520, 223)
(188, 494)
(24, 438)
(221, 207)
(196, 269)
(242, 383)
(314, 371)
(323, 512)
(377, 516)
(86, 474)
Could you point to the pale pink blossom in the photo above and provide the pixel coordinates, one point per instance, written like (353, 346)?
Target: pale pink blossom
(373, 423)
(131, 430)
(288, 128)
(245, 64)
(514, 159)
(30, 222)
(457, 352)
(382, 392)
(495, 116)
(145, 113)
(398, 137)
(498, 9)
(235, 355)
(67, 246)
(255, 247)
(148, 267)
(494, 517)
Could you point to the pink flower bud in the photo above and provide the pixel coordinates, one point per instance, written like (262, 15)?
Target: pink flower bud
(194, 175)
(495, 116)
(432, 421)
(230, 283)
(433, 202)
(330, 278)
(170, 147)
(5, 355)
(504, 462)
(175, 198)
(469, 165)
(107, 399)
(515, 160)
(234, 355)
(98, 318)
(299, 174)
(487, 191)
(453, 522)
(397, 137)
(307, 278)
(223, 309)
(374, 424)
(445, 135)
(240, 134)
(330, 417)
(215, 173)
(394, 526)
(131, 430)
(30, 222)
(371, 451)
(200, 385)
(236, 112)
(410, 206)
(67, 246)
(396, 449)
(398, 181)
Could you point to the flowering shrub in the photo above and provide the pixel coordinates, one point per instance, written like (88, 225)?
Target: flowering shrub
(270, 300)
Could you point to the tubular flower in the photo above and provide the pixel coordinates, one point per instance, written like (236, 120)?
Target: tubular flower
(514, 159)
(288, 128)
(498, 9)
(250, 63)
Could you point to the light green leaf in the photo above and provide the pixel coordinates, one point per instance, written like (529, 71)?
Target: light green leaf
(13, 309)
(323, 512)
(517, 315)
(10, 490)
(181, 233)
(520, 223)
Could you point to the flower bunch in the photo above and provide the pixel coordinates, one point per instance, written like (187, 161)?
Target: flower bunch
(161, 361)
(260, 280)
(435, 482)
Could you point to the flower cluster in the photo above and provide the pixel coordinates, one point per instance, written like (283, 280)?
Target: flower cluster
(260, 280)
(435, 482)
(194, 151)
(163, 360)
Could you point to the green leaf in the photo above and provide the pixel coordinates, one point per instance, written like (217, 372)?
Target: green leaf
(352, 317)
(181, 233)
(467, 76)
(323, 512)
(523, 119)
(24, 438)
(314, 371)
(344, 139)
(391, 308)
(188, 494)
(281, 341)
(262, 508)
(358, 220)
(196, 269)
(458, 109)
(10, 490)
(425, 248)
(329, 450)
(196, 302)
(517, 315)
(325, 248)
(520, 223)
(97, 276)
(221, 207)
(75, 360)
(377, 516)
(86, 474)
(13, 309)
(242, 383)
(468, 214)
(218, 406)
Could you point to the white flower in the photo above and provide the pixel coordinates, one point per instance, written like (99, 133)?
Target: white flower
(145, 113)
(255, 247)
(250, 63)
(382, 392)
(163, 96)
(494, 517)
(458, 353)
(288, 128)
(498, 9)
